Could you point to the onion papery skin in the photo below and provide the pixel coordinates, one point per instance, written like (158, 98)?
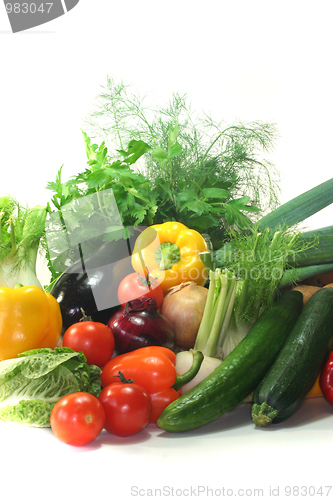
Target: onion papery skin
(183, 306)
(139, 324)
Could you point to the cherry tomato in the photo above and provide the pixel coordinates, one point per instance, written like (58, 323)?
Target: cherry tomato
(135, 286)
(78, 418)
(94, 339)
(127, 407)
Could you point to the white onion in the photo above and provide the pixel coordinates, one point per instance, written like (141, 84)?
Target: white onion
(183, 306)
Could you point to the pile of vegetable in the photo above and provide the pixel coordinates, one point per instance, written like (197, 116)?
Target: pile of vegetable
(172, 298)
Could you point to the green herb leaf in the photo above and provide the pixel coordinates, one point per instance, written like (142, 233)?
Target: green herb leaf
(175, 150)
(216, 192)
(173, 134)
(159, 153)
(134, 151)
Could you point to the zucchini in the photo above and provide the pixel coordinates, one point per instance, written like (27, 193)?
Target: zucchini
(240, 373)
(296, 368)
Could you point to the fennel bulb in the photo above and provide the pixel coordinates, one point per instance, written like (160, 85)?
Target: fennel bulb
(21, 230)
(240, 292)
(13, 272)
(184, 361)
(31, 384)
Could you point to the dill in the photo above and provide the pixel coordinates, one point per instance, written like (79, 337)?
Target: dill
(207, 156)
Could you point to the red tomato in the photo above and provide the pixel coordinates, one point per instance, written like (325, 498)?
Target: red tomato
(127, 407)
(94, 339)
(134, 286)
(78, 418)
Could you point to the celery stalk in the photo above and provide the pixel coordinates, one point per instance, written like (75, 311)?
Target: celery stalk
(217, 312)
(206, 318)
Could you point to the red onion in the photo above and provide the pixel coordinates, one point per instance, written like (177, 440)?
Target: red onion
(138, 325)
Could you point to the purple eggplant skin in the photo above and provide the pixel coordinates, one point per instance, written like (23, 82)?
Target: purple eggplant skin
(92, 284)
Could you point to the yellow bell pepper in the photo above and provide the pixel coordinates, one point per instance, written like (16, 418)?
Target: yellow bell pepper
(170, 253)
(29, 318)
(316, 391)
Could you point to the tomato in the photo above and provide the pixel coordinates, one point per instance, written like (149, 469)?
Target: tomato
(135, 286)
(127, 407)
(94, 339)
(78, 418)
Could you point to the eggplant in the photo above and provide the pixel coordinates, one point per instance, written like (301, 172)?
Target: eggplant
(92, 283)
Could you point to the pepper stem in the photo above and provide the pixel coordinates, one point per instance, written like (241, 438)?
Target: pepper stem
(167, 255)
(191, 373)
(123, 379)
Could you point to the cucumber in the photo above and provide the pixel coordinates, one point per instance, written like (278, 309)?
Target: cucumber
(296, 368)
(240, 373)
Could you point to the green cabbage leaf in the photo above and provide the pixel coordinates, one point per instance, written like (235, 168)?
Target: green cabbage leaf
(31, 384)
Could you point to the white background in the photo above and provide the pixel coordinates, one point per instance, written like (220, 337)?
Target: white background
(253, 60)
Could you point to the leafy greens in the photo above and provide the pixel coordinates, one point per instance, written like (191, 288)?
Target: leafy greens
(31, 384)
(209, 175)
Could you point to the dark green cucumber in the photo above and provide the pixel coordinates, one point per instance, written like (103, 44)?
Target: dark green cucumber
(296, 368)
(240, 372)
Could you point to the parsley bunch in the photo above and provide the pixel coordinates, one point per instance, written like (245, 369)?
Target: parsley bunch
(101, 204)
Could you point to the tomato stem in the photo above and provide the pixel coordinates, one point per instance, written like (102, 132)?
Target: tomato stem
(123, 379)
(147, 281)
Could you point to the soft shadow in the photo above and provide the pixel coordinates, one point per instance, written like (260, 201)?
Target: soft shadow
(312, 410)
(105, 438)
(236, 418)
(109, 439)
